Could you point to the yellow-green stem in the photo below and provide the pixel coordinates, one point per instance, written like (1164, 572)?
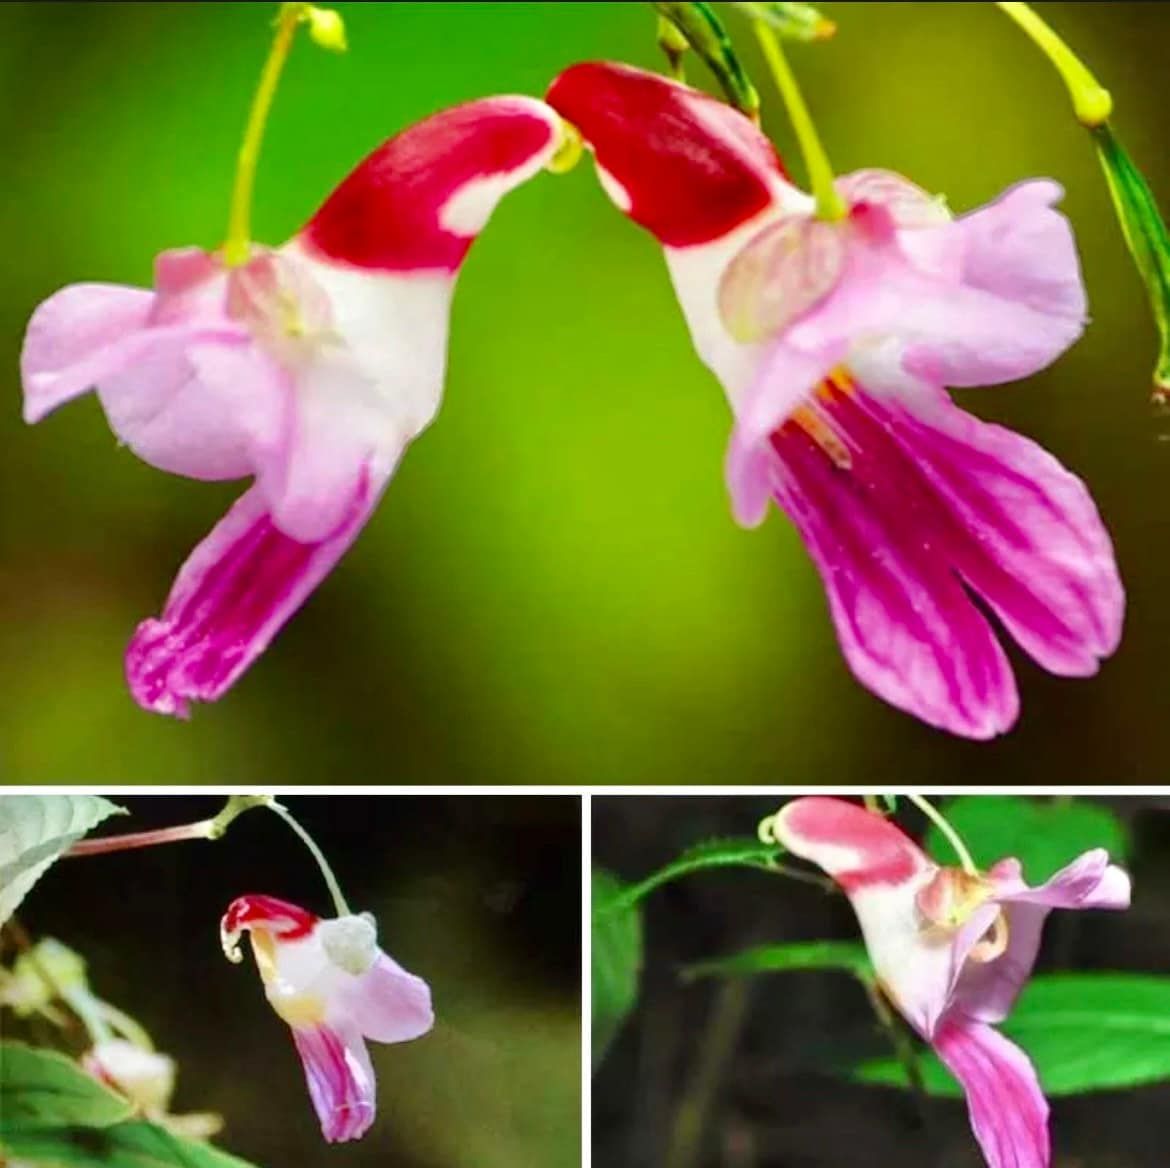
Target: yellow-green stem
(830, 205)
(1091, 100)
(939, 820)
(237, 245)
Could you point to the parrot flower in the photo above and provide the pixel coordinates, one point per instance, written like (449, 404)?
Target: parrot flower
(335, 988)
(952, 950)
(835, 342)
(310, 367)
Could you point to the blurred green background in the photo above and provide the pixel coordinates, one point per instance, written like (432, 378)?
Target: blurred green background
(479, 895)
(553, 589)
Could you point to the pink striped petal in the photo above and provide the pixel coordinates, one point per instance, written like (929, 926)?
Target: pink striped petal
(340, 1079)
(906, 626)
(1026, 533)
(231, 597)
(1009, 1114)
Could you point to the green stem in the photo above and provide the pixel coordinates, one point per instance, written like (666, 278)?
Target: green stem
(1091, 101)
(339, 902)
(715, 1051)
(237, 246)
(939, 820)
(830, 205)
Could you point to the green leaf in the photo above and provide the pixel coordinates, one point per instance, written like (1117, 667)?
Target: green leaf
(1044, 836)
(794, 22)
(617, 961)
(125, 1145)
(718, 853)
(41, 1088)
(1145, 235)
(1083, 1031)
(34, 831)
(847, 956)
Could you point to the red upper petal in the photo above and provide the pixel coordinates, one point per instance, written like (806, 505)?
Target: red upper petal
(692, 167)
(857, 847)
(387, 215)
(279, 917)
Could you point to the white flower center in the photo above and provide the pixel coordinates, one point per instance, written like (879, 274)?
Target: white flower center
(350, 943)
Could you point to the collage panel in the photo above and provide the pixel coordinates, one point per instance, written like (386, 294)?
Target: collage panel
(790, 980)
(534, 392)
(366, 980)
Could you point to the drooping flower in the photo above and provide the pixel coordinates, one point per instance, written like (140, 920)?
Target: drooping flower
(333, 985)
(834, 342)
(952, 950)
(310, 366)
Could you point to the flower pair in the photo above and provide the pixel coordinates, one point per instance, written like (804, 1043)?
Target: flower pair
(952, 950)
(312, 366)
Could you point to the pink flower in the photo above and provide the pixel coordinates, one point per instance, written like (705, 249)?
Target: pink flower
(952, 951)
(335, 988)
(834, 342)
(311, 368)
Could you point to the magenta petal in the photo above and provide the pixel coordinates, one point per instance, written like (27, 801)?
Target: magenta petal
(1035, 546)
(1009, 1114)
(907, 628)
(388, 1004)
(340, 1079)
(231, 597)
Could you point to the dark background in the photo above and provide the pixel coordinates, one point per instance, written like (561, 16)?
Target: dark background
(553, 589)
(478, 895)
(763, 1044)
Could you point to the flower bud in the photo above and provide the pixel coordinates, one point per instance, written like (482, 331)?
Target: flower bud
(326, 28)
(794, 22)
(145, 1077)
(704, 32)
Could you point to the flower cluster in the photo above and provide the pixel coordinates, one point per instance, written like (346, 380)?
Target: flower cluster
(311, 366)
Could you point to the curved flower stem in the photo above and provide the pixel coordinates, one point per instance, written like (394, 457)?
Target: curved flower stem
(939, 820)
(237, 245)
(830, 205)
(208, 829)
(339, 901)
(1091, 100)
